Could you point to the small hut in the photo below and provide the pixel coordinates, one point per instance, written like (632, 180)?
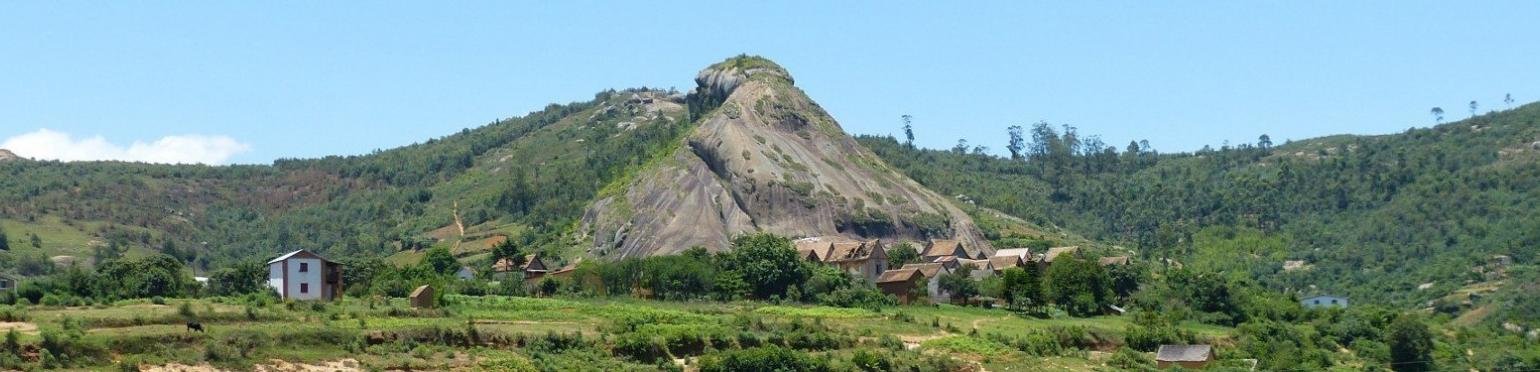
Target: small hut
(422, 297)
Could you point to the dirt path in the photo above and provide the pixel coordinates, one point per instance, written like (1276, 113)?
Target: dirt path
(20, 327)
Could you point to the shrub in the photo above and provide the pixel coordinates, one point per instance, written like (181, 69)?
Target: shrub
(765, 359)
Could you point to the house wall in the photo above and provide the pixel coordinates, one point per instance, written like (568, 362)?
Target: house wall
(933, 289)
(318, 288)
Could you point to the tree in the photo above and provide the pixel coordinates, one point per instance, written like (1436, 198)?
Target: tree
(439, 260)
(1079, 286)
(902, 253)
(1411, 344)
(1508, 99)
(37, 241)
(962, 146)
(1265, 142)
(5, 242)
(1472, 108)
(507, 249)
(959, 284)
(767, 262)
(1438, 115)
(1021, 286)
(908, 130)
(1017, 143)
(239, 279)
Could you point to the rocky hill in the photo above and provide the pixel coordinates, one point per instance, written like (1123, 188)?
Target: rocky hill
(765, 157)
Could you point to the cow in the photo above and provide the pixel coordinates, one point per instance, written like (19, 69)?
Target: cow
(194, 326)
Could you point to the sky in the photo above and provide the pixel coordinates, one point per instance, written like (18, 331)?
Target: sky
(225, 82)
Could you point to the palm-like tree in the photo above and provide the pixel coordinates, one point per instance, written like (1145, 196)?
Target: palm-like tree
(1438, 115)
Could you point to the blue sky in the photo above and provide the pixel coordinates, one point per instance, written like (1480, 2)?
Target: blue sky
(248, 82)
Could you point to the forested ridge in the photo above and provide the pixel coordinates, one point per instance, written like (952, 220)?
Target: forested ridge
(1373, 217)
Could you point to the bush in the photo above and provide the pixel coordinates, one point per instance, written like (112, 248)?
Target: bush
(762, 359)
(1130, 360)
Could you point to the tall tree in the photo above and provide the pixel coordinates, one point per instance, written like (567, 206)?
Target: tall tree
(1472, 108)
(1017, 144)
(1438, 115)
(1411, 345)
(962, 146)
(1508, 99)
(908, 130)
(441, 261)
(1264, 142)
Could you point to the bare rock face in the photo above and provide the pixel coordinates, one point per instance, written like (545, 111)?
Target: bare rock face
(6, 155)
(765, 157)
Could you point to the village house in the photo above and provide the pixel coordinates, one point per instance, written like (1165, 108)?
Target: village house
(7, 282)
(1113, 261)
(302, 275)
(814, 249)
(1324, 301)
(1000, 263)
(943, 248)
(532, 268)
(1185, 356)
(1025, 254)
(864, 259)
(1055, 253)
(900, 283)
(465, 273)
(422, 297)
(932, 273)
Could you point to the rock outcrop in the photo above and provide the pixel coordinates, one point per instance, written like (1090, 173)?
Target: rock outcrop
(6, 155)
(765, 157)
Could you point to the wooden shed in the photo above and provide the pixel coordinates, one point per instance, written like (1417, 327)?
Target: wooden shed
(422, 297)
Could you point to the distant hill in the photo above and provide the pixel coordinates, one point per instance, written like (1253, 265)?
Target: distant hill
(1373, 217)
(748, 151)
(765, 157)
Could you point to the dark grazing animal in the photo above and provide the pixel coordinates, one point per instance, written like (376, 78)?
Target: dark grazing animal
(194, 326)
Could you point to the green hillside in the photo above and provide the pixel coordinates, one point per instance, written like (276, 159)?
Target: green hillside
(1372, 217)
(537, 171)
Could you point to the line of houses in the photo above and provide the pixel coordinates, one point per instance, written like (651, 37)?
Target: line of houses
(869, 259)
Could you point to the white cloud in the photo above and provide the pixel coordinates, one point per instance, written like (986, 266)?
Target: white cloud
(178, 149)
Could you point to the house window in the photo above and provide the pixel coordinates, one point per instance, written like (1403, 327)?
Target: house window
(5, 284)
(304, 267)
(304, 287)
(1333, 301)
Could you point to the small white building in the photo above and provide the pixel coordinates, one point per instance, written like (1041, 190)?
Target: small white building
(301, 275)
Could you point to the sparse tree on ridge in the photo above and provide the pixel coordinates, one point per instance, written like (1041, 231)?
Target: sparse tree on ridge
(908, 130)
(1472, 108)
(1017, 144)
(1438, 115)
(962, 146)
(1508, 99)
(1265, 142)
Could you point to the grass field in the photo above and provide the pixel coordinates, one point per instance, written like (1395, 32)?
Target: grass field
(542, 333)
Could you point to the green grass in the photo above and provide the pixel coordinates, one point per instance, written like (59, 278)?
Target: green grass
(154, 334)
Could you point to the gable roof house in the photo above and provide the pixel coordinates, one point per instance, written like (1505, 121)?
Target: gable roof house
(1186, 356)
(867, 259)
(1113, 261)
(900, 283)
(302, 275)
(1023, 253)
(942, 248)
(533, 266)
(1053, 254)
(932, 273)
(814, 249)
(1000, 263)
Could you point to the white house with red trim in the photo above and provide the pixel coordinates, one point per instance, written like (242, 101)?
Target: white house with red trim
(301, 275)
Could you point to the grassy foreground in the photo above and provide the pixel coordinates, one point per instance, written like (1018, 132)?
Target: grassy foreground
(519, 333)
